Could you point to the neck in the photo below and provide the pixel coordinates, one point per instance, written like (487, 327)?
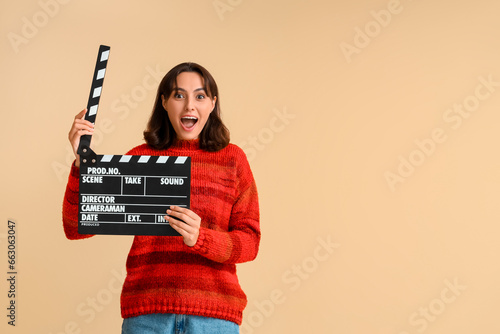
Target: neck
(186, 144)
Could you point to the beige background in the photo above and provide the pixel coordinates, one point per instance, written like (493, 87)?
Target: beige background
(359, 99)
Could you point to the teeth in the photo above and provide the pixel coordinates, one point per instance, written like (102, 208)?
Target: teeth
(189, 117)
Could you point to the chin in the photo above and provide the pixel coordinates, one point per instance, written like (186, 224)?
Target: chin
(188, 136)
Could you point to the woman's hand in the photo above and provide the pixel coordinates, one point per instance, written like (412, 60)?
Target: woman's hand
(189, 228)
(79, 128)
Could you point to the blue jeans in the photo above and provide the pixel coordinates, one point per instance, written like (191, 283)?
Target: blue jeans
(159, 323)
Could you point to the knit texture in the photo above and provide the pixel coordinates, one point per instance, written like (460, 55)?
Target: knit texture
(166, 276)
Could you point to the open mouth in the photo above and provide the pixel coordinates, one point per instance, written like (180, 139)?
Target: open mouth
(189, 121)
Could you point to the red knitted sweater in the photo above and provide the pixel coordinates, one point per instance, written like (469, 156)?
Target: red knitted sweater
(166, 276)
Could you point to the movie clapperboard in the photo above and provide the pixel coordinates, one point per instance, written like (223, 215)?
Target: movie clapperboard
(127, 194)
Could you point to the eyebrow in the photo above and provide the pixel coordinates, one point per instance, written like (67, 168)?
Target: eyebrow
(196, 90)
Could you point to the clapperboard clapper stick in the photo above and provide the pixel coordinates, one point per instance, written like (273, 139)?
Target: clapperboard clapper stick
(127, 194)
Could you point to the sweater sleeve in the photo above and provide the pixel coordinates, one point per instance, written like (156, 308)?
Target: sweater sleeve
(241, 242)
(70, 206)
(71, 202)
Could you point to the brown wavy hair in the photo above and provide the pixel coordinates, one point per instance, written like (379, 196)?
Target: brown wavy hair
(160, 133)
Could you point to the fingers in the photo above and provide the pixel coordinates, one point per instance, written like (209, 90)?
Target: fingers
(80, 125)
(188, 216)
(181, 227)
(79, 128)
(186, 222)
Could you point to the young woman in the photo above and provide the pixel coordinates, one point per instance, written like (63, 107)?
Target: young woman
(186, 284)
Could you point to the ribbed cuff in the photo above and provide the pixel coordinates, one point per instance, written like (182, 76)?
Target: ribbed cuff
(75, 171)
(199, 246)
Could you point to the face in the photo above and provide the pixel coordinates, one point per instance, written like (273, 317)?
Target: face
(188, 106)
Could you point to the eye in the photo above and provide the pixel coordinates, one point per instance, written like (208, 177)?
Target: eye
(178, 95)
(200, 96)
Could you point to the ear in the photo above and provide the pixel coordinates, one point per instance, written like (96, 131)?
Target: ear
(164, 102)
(213, 103)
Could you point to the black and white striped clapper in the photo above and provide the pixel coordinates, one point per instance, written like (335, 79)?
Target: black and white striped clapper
(95, 92)
(127, 194)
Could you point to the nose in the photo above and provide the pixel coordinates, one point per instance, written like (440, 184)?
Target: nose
(189, 104)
